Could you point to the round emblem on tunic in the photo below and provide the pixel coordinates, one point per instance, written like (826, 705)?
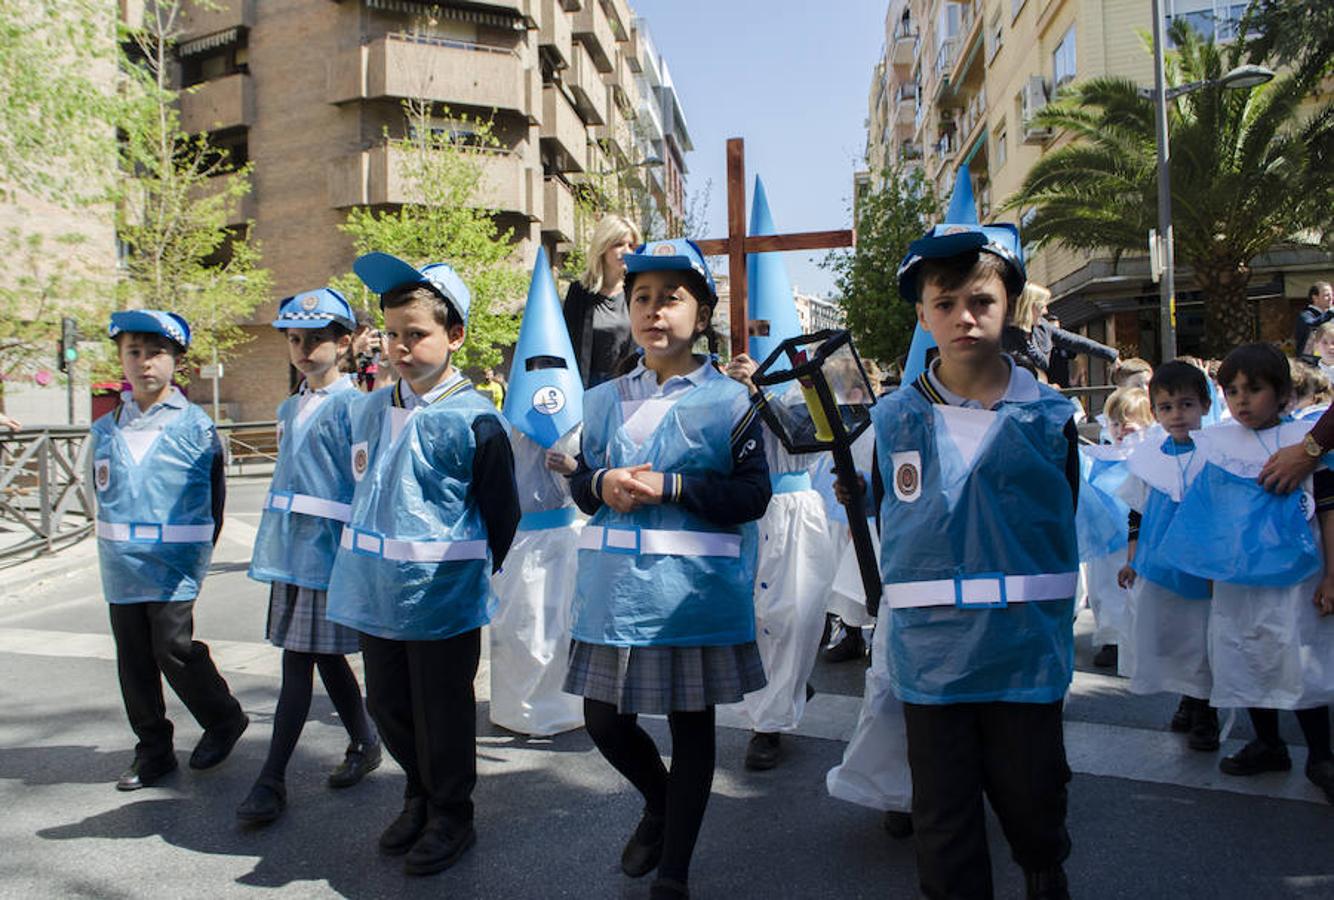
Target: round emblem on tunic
(907, 478)
(359, 460)
(102, 474)
(548, 400)
(309, 302)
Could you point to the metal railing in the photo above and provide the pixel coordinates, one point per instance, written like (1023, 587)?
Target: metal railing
(45, 498)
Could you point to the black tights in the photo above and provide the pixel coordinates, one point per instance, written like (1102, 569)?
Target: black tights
(681, 795)
(294, 705)
(1314, 723)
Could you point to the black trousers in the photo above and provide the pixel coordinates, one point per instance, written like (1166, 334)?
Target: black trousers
(1014, 753)
(420, 695)
(155, 640)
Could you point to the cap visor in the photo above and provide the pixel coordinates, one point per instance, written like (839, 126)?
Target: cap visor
(382, 272)
(948, 244)
(642, 263)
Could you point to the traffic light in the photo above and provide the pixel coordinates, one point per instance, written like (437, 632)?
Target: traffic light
(69, 343)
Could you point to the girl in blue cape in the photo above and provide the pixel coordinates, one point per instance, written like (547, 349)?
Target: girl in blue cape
(1166, 647)
(1271, 637)
(304, 513)
(672, 471)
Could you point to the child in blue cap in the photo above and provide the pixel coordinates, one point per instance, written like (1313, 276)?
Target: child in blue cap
(160, 481)
(433, 514)
(975, 479)
(307, 504)
(672, 471)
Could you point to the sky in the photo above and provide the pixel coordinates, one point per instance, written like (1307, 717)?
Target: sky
(789, 76)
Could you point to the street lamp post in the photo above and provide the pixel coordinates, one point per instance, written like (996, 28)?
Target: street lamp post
(1246, 76)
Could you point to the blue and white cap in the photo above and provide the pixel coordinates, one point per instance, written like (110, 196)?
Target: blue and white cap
(383, 273)
(151, 321)
(675, 255)
(961, 233)
(315, 309)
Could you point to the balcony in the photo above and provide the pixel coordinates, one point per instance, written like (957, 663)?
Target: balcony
(649, 118)
(557, 209)
(563, 130)
(197, 22)
(593, 30)
(620, 79)
(555, 34)
(375, 177)
(905, 104)
(446, 71)
(631, 50)
(904, 47)
(945, 54)
(910, 150)
(586, 87)
(222, 103)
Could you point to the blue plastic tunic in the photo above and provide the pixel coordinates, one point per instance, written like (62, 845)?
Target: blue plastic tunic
(627, 599)
(1102, 517)
(147, 510)
(413, 564)
(310, 497)
(1008, 513)
(1155, 556)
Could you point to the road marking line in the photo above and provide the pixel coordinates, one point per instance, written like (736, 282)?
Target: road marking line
(1114, 751)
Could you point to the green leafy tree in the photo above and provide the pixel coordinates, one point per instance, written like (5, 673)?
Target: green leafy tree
(173, 204)
(444, 221)
(1291, 32)
(1249, 171)
(889, 218)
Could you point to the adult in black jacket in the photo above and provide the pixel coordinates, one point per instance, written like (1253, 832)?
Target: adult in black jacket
(1030, 339)
(1317, 313)
(595, 310)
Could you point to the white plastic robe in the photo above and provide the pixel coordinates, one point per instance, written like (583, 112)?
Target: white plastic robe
(793, 573)
(874, 771)
(530, 631)
(847, 596)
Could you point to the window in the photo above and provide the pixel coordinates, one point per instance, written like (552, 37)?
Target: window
(995, 35)
(1002, 145)
(1217, 19)
(216, 62)
(1063, 60)
(1015, 7)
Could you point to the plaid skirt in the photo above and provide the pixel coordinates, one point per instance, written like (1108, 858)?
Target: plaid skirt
(297, 622)
(658, 680)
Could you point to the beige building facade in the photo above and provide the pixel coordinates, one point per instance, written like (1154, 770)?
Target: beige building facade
(958, 83)
(306, 90)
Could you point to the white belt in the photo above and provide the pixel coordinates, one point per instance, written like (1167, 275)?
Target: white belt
(636, 541)
(980, 591)
(285, 501)
(368, 543)
(152, 533)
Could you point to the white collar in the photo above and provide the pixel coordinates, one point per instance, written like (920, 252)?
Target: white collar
(1022, 387)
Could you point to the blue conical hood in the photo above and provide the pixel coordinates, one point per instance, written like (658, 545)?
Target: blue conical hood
(770, 291)
(963, 208)
(544, 402)
(915, 364)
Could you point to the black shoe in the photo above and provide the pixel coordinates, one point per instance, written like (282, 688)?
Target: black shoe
(852, 646)
(1203, 729)
(1049, 884)
(359, 760)
(1106, 657)
(1256, 757)
(218, 742)
(764, 751)
(898, 824)
(644, 849)
(146, 771)
(404, 831)
(264, 804)
(1181, 719)
(667, 889)
(1321, 774)
(442, 843)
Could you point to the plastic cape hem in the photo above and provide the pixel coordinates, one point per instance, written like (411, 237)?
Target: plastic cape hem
(720, 640)
(390, 634)
(1050, 694)
(184, 598)
(266, 576)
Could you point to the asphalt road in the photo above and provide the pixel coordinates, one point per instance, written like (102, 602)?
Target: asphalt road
(1148, 817)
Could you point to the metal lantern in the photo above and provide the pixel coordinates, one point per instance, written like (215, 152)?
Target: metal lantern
(818, 398)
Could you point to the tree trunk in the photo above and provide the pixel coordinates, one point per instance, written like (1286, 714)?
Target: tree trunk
(1229, 317)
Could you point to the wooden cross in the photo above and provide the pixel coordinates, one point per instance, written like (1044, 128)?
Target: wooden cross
(736, 245)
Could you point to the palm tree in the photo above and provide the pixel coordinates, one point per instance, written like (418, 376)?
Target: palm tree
(1249, 170)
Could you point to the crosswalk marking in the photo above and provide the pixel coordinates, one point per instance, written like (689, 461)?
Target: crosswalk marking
(1115, 751)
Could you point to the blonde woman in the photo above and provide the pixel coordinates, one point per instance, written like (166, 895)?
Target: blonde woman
(595, 310)
(1033, 341)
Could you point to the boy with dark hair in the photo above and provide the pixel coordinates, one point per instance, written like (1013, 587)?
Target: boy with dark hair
(979, 564)
(158, 472)
(433, 515)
